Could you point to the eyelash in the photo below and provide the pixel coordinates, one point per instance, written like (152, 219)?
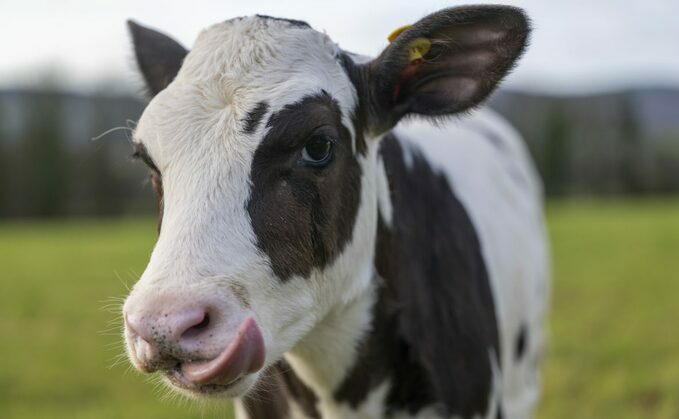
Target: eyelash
(141, 154)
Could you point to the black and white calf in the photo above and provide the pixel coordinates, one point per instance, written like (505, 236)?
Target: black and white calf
(332, 242)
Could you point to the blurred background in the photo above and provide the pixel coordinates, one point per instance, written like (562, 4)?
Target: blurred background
(596, 97)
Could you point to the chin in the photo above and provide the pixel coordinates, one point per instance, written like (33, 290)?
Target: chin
(212, 391)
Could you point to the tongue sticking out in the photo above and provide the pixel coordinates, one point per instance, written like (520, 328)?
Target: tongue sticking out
(243, 356)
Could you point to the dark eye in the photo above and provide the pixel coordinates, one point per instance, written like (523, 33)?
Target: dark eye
(318, 150)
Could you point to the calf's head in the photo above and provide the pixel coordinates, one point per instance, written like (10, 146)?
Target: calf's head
(262, 143)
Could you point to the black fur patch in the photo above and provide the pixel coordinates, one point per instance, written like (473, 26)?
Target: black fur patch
(521, 341)
(434, 329)
(303, 216)
(298, 391)
(292, 22)
(386, 355)
(254, 117)
(279, 385)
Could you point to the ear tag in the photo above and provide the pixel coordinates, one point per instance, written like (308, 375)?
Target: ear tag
(396, 32)
(418, 48)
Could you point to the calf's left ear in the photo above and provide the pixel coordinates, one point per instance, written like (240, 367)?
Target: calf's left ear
(445, 63)
(159, 57)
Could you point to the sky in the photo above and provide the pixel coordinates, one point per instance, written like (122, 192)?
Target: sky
(577, 46)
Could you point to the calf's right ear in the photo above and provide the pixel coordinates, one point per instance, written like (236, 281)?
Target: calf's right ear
(159, 57)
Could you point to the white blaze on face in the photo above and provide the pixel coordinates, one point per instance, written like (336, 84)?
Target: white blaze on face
(207, 251)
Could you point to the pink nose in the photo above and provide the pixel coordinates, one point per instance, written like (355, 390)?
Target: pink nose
(170, 333)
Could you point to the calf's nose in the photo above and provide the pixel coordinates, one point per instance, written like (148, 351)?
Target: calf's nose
(174, 326)
(163, 334)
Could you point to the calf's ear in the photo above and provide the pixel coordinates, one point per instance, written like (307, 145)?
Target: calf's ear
(159, 57)
(445, 63)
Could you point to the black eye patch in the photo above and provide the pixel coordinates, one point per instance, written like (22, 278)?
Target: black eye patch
(305, 187)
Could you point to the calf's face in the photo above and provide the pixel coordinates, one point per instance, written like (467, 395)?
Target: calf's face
(251, 148)
(262, 146)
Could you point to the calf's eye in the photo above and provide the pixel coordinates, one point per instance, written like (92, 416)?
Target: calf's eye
(318, 151)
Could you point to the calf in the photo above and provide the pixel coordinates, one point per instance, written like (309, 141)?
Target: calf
(331, 242)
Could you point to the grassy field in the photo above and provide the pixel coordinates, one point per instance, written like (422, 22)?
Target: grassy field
(614, 349)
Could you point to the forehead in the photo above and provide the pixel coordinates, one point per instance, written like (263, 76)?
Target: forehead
(236, 65)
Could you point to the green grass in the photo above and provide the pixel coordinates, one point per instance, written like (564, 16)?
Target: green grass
(614, 349)
(58, 346)
(614, 346)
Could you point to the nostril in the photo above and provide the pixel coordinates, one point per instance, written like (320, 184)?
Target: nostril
(198, 328)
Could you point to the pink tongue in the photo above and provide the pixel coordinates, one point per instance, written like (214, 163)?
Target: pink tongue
(244, 355)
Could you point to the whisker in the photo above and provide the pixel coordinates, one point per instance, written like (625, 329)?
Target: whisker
(105, 133)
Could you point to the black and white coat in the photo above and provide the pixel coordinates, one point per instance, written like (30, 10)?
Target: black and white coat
(385, 264)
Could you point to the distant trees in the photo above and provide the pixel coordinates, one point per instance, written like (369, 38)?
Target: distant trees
(43, 173)
(49, 165)
(556, 154)
(4, 172)
(582, 146)
(663, 166)
(611, 144)
(633, 170)
(103, 187)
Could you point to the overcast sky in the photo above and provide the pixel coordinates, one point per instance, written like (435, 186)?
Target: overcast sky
(577, 46)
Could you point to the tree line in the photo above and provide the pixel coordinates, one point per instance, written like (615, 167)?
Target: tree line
(51, 167)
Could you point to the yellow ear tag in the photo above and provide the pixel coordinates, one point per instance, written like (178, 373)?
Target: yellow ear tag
(397, 32)
(418, 48)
